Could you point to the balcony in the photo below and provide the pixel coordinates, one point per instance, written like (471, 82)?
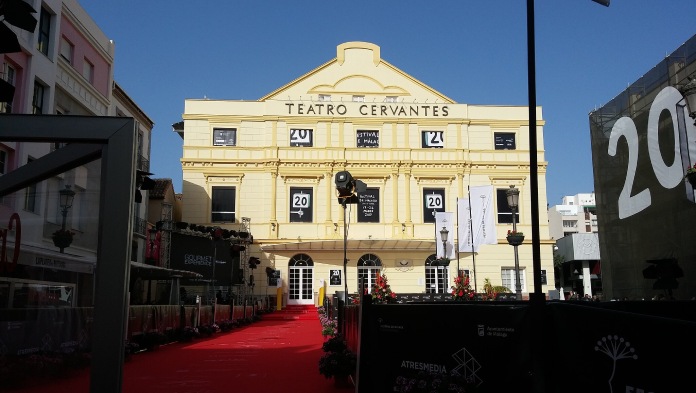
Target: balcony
(139, 225)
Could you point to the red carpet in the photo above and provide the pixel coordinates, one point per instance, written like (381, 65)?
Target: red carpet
(277, 354)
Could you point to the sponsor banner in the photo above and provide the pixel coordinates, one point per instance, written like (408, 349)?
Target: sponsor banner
(625, 351)
(486, 345)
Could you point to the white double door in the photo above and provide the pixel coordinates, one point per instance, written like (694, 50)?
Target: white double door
(300, 285)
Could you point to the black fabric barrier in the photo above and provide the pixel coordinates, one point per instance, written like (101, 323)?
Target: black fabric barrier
(45, 330)
(404, 344)
(597, 349)
(632, 347)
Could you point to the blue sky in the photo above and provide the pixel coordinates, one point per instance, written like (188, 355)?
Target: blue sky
(474, 52)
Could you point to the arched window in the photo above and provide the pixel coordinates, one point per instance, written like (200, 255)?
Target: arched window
(300, 281)
(369, 266)
(436, 277)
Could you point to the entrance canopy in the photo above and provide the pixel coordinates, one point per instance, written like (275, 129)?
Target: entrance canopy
(150, 272)
(353, 245)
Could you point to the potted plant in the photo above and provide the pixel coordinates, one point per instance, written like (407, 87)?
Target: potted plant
(381, 291)
(515, 238)
(691, 175)
(338, 361)
(62, 238)
(461, 290)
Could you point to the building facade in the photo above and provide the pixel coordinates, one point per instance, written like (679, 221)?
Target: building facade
(65, 67)
(272, 164)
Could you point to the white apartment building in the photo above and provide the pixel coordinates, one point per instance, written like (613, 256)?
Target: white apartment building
(576, 214)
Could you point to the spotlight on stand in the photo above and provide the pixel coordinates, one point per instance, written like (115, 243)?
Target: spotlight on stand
(347, 187)
(254, 262)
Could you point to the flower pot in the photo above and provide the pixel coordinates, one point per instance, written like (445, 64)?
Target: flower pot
(515, 240)
(62, 241)
(691, 177)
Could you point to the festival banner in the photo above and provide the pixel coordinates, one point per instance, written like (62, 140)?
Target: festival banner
(476, 219)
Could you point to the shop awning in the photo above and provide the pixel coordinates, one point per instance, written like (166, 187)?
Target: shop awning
(151, 272)
(353, 245)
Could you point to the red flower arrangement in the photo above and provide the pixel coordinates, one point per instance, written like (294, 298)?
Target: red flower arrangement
(461, 290)
(381, 291)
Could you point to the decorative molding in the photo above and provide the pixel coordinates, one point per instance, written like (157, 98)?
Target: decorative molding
(224, 179)
(403, 265)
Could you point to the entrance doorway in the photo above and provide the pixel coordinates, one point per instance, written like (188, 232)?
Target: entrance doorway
(300, 280)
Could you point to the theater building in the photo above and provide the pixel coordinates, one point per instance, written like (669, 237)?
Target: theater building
(271, 164)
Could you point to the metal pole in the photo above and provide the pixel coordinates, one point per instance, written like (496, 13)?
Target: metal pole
(518, 284)
(64, 213)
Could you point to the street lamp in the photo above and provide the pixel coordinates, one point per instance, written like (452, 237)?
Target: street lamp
(513, 199)
(443, 235)
(66, 201)
(689, 92)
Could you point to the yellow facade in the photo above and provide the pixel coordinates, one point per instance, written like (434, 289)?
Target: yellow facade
(339, 101)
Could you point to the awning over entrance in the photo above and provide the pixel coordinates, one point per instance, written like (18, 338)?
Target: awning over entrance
(151, 272)
(353, 245)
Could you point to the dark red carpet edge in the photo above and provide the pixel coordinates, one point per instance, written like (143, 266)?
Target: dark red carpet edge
(266, 356)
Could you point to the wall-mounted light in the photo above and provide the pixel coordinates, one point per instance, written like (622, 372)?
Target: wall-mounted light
(403, 227)
(273, 226)
(335, 227)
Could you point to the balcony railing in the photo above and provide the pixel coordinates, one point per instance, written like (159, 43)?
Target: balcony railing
(143, 163)
(139, 225)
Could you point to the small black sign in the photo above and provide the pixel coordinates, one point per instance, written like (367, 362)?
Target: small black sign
(367, 138)
(368, 205)
(274, 278)
(335, 277)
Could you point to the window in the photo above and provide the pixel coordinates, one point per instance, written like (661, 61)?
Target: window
(508, 276)
(223, 203)
(301, 137)
(324, 97)
(37, 102)
(44, 32)
(433, 139)
(368, 205)
(504, 211)
(88, 71)
(367, 138)
(30, 196)
(569, 224)
(3, 161)
(300, 204)
(224, 137)
(433, 202)
(436, 277)
(390, 99)
(66, 49)
(358, 98)
(8, 76)
(504, 140)
(369, 266)
(464, 272)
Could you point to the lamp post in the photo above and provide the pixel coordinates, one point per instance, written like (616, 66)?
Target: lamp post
(689, 92)
(513, 198)
(66, 201)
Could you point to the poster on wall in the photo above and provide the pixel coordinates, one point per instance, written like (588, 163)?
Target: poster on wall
(335, 277)
(368, 205)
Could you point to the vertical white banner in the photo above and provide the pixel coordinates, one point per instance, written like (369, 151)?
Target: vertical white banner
(484, 215)
(464, 232)
(479, 223)
(444, 220)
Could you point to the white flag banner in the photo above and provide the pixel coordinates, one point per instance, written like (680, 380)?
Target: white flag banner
(479, 223)
(444, 220)
(464, 220)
